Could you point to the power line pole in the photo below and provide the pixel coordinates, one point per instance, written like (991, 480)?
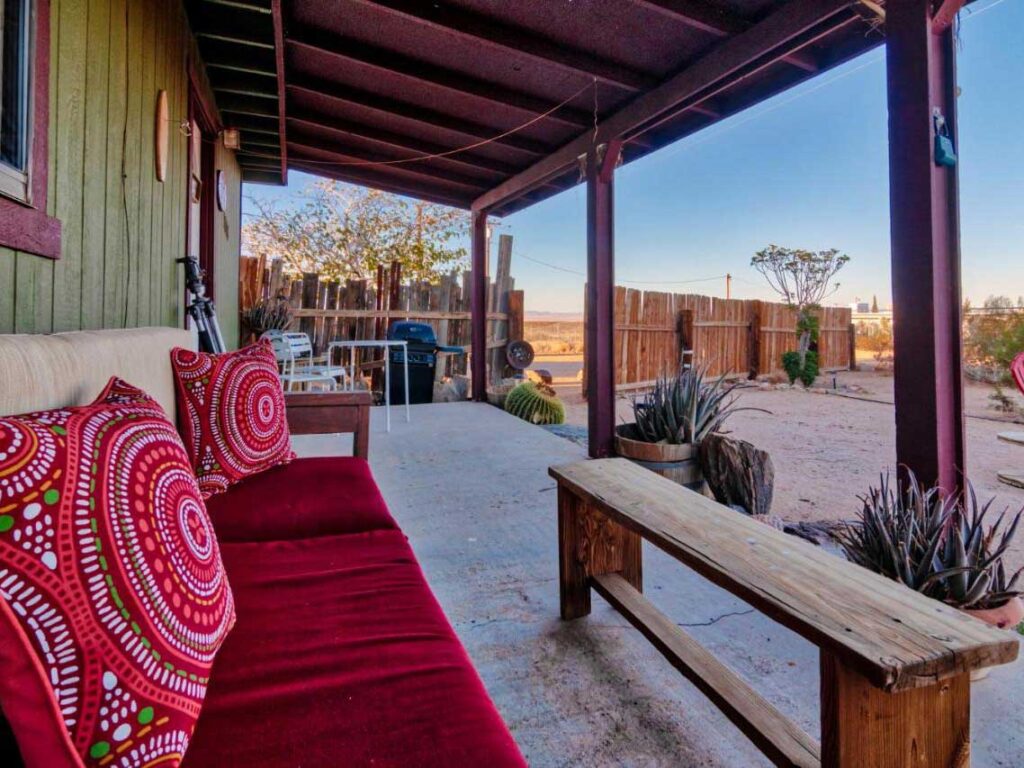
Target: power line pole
(728, 285)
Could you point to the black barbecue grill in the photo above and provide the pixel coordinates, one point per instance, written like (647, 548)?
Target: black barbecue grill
(421, 342)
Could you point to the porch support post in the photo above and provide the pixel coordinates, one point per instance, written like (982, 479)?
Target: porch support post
(601, 163)
(478, 307)
(924, 215)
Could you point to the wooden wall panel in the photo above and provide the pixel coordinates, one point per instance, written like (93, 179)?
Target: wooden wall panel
(109, 58)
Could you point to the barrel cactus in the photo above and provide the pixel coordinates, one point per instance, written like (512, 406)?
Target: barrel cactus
(536, 403)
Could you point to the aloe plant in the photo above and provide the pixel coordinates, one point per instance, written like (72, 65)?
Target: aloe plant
(934, 543)
(684, 408)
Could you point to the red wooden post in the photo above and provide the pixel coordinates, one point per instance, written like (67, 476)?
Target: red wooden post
(478, 307)
(600, 304)
(924, 214)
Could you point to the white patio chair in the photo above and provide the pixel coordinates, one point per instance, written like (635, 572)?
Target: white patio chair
(293, 352)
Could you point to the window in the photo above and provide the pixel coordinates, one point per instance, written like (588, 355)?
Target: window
(15, 81)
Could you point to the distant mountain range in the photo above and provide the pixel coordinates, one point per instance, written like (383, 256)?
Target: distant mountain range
(554, 317)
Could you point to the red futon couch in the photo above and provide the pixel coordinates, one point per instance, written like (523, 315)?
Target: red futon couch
(341, 655)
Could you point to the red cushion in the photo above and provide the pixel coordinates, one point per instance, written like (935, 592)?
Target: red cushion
(342, 657)
(113, 598)
(309, 497)
(231, 413)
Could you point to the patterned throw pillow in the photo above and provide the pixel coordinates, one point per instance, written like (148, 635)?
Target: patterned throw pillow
(113, 598)
(231, 414)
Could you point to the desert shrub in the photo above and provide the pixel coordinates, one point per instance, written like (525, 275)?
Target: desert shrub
(992, 338)
(791, 365)
(810, 369)
(876, 339)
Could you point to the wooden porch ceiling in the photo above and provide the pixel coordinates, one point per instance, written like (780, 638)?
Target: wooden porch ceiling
(362, 90)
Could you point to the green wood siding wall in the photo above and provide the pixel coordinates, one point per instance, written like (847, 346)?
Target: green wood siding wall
(109, 58)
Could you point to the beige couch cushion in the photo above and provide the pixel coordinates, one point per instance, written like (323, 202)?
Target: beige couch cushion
(39, 372)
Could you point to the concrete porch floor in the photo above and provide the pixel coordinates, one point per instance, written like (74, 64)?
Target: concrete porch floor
(469, 486)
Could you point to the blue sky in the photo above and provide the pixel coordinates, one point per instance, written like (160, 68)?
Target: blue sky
(806, 169)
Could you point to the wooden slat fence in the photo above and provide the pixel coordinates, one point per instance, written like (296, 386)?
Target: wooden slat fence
(654, 331)
(332, 310)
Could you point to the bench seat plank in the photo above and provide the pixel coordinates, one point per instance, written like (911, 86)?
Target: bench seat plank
(893, 636)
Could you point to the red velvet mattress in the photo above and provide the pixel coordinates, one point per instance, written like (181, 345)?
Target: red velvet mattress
(341, 655)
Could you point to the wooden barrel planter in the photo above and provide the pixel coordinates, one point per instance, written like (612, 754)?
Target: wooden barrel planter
(677, 462)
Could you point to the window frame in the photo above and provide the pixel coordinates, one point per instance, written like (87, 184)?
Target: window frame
(16, 183)
(24, 223)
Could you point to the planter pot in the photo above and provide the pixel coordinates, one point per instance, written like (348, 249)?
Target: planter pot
(1006, 616)
(676, 462)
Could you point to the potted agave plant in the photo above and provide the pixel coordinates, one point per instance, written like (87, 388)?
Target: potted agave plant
(940, 546)
(670, 421)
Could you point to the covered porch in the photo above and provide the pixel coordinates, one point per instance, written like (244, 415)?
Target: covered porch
(484, 526)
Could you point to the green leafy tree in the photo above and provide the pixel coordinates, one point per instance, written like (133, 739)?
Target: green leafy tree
(803, 279)
(342, 231)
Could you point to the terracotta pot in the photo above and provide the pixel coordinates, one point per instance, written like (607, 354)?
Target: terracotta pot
(1006, 616)
(677, 462)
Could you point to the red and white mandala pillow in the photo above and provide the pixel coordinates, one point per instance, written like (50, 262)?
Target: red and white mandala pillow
(113, 597)
(231, 414)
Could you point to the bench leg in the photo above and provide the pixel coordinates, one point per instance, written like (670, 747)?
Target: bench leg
(590, 544)
(864, 727)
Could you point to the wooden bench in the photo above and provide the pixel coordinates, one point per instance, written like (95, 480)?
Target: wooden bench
(895, 665)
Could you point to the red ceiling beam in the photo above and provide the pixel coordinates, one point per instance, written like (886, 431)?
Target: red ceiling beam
(379, 162)
(716, 21)
(515, 40)
(383, 182)
(759, 46)
(397, 141)
(279, 50)
(425, 73)
(345, 152)
(945, 15)
(414, 113)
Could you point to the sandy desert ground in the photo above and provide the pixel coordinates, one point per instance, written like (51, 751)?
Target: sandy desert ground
(829, 448)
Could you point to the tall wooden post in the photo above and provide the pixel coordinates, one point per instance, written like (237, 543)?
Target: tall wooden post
(600, 303)
(478, 307)
(924, 215)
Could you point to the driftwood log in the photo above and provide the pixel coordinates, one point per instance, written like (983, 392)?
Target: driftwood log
(737, 473)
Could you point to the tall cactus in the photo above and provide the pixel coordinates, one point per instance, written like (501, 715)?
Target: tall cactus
(536, 403)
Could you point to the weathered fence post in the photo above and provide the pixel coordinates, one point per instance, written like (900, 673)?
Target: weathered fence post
(754, 340)
(307, 296)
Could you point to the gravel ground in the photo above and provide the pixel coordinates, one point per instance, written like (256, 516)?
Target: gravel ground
(828, 448)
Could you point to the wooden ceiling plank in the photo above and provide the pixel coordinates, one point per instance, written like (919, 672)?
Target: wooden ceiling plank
(728, 59)
(513, 39)
(415, 113)
(399, 141)
(385, 183)
(342, 154)
(716, 21)
(423, 72)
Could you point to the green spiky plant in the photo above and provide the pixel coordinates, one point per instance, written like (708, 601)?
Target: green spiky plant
(535, 403)
(683, 409)
(934, 543)
(267, 315)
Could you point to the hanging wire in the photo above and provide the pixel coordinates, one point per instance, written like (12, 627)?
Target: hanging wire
(633, 282)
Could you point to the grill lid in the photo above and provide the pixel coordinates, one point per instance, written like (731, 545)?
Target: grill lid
(407, 330)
